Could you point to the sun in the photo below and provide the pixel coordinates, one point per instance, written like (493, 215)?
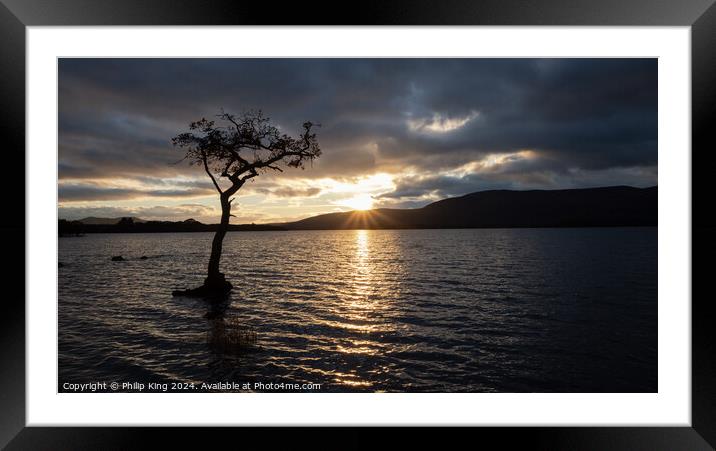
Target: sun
(359, 202)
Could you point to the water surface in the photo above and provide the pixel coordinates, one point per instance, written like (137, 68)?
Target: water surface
(474, 310)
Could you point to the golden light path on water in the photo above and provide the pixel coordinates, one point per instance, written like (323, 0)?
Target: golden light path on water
(361, 308)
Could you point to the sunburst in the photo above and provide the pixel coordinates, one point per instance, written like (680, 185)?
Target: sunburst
(358, 202)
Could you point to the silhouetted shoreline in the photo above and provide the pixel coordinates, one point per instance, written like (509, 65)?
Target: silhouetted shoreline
(77, 228)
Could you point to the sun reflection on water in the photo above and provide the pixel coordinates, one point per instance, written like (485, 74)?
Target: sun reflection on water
(364, 283)
(366, 308)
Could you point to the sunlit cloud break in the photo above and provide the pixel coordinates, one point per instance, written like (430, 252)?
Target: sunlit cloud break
(440, 124)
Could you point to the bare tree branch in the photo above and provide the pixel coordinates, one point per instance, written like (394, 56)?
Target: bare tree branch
(206, 168)
(219, 150)
(249, 176)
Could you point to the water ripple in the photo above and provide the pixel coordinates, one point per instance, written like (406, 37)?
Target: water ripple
(388, 310)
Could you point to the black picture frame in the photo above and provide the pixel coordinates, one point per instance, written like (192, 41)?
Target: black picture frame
(16, 15)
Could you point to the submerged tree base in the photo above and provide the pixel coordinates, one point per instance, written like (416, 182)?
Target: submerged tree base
(213, 287)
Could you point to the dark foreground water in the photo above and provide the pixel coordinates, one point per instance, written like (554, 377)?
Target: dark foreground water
(480, 310)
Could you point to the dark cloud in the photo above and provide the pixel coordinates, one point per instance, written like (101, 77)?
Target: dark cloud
(287, 191)
(593, 117)
(68, 193)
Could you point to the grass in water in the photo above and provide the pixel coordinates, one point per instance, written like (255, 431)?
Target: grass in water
(227, 335)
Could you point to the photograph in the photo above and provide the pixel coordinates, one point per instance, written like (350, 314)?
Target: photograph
(353, 225)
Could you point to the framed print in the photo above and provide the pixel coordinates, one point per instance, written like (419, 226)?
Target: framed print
(482, 219)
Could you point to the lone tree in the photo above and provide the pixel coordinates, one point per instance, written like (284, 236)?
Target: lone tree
(231, 154)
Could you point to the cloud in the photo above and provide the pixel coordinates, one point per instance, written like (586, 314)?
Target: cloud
(418, 190)
(423, 121)
(91, 192)
(287, 191)
(439, 124)
(157, 212)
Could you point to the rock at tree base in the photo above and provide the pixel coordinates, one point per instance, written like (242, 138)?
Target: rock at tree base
(212, 288)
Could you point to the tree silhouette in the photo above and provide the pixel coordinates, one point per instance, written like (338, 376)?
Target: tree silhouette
(233, 153)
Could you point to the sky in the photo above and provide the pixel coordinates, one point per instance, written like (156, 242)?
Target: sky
(395, 133)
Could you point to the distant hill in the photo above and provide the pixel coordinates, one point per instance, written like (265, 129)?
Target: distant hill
(591, 207)
(96, 221)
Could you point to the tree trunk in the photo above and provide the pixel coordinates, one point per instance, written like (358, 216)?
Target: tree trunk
(215, 284)
(214, 277)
